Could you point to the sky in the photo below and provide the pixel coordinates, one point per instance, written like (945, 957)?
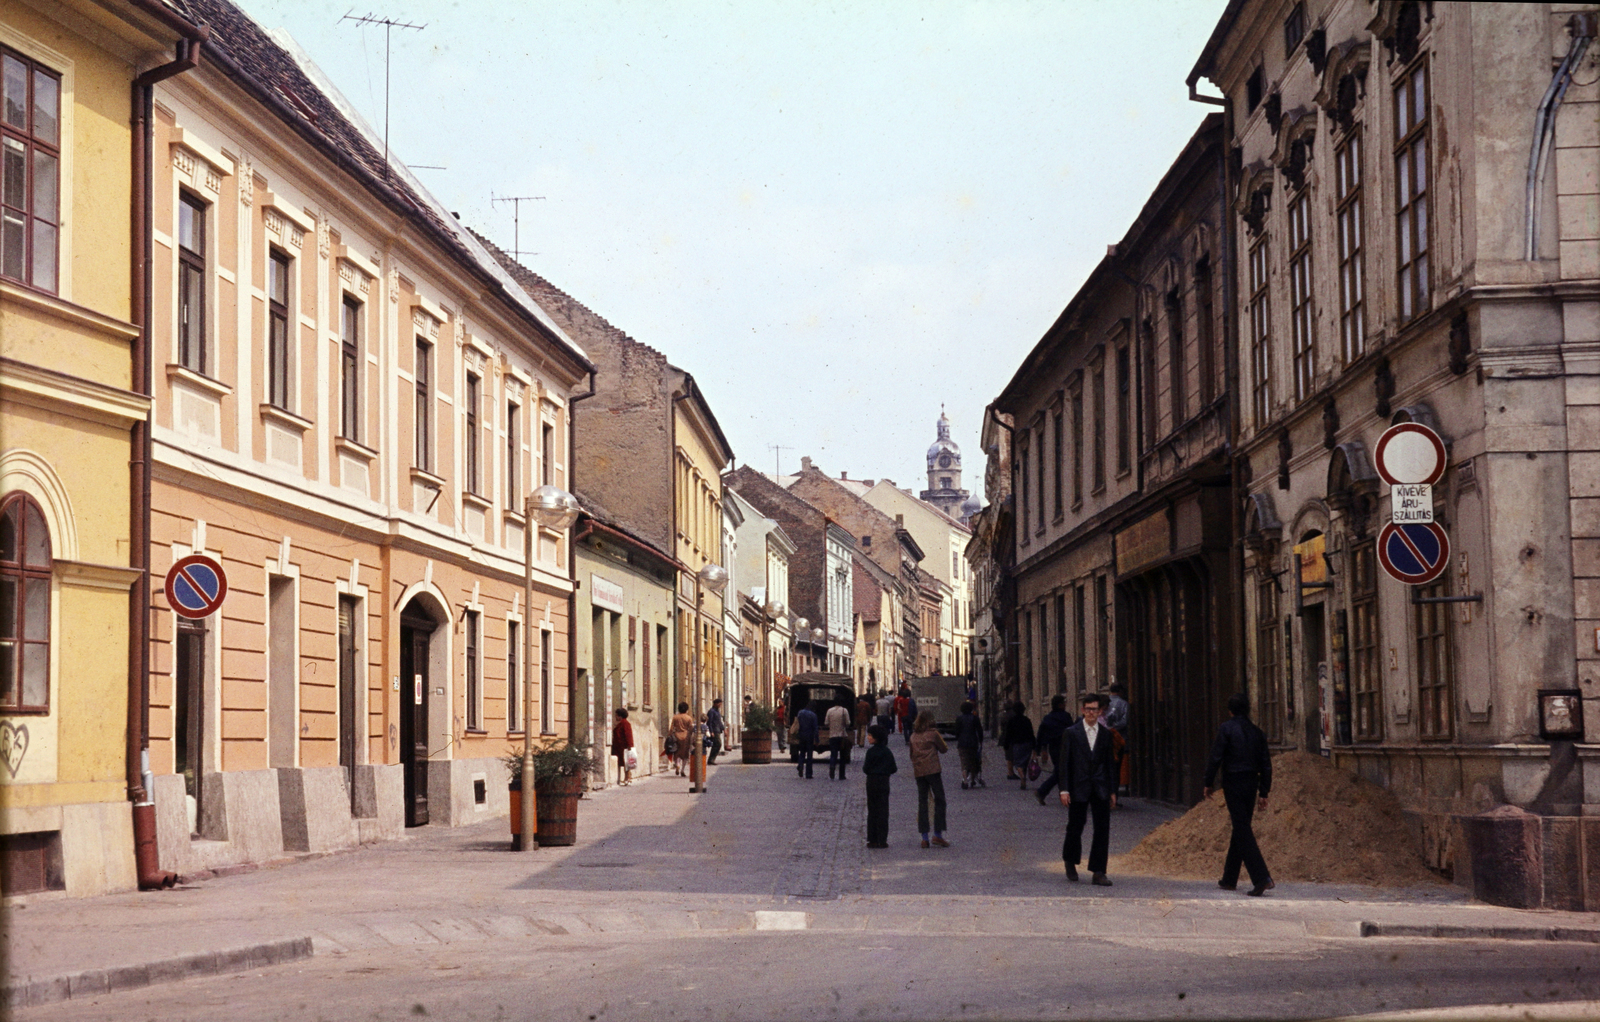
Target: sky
(839, 216)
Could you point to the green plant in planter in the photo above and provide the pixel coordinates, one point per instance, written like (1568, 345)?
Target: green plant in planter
(759, 718)
(559, 758)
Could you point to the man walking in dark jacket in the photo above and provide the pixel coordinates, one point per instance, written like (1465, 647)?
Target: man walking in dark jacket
(805, 740)
(1240, 752)
(1051, 728)
(1088, 785)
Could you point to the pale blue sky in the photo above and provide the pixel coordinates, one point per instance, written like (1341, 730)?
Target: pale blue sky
(836, 215)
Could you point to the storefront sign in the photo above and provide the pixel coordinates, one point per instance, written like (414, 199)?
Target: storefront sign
(1313, 560)
(605, 593)
(1144, 542)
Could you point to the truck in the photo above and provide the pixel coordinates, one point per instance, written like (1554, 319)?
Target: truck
(821, 692)
(941, 695)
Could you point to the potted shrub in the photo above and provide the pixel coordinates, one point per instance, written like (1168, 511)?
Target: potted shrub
(558, 777)
(756, 739)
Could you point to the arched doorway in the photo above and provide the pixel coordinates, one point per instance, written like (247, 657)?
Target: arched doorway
(417, 627)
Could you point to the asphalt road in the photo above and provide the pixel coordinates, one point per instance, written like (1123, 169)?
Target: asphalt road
(649, 917)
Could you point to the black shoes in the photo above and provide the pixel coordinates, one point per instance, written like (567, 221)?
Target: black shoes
(1072, 872)
(1100, 880)
(1259, 889)
(1227, 886)
(877, 844)
(1040, 797)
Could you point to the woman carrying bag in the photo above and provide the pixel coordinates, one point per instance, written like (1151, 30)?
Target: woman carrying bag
(622, 747)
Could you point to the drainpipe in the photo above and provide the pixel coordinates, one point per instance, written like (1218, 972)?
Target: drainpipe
(187, 53)
(572, 566)
(1581, 27)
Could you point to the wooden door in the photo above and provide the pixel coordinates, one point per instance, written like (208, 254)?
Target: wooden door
(415, 639)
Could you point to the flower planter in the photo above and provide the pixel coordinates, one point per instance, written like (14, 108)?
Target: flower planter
(756, 746)
(557, 808)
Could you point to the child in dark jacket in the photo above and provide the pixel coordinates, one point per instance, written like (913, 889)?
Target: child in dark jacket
(877, 766)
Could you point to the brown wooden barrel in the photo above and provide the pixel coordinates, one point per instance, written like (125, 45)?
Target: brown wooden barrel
(557, 810)
(756, 746)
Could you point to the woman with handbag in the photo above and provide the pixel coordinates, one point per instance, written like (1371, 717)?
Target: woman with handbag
(622, 747)
(678, 730)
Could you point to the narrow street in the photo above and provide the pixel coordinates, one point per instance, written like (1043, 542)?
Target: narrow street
(759, 899)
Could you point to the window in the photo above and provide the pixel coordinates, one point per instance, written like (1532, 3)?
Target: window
(1435, 664)
(24, 607)
(278, 362)
(30, 171)
(1080, 636)
(1205, 331)
(1147, 336)
(1294, 29)
(423, 411)
(547, 694)
(1352, 296)
(1302, 329)
(513, 454)
(1061, 463)
(350, 371)
(1023, 471)
(474, 675)
(1253, 88)
(1039, 463)
(514, 694)
(1097, 400)
(473, 436)
(1411, 189)
(1260, 335)
(1175, 360)
(547, 454)
(1102, 615)
(1076, 451)
(192, 283)
(1367, 682)
(1124, 412)
(1058, 683)
(1269, 661)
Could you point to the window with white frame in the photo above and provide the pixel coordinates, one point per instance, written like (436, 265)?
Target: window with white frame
(192, 284)
(279, 364)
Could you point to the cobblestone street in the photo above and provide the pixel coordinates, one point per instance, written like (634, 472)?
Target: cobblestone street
(680, 905)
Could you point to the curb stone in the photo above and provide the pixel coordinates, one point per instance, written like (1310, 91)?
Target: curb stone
(49, 989)
(1559, 933)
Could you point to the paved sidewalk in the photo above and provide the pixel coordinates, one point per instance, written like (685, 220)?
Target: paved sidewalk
(761, 849)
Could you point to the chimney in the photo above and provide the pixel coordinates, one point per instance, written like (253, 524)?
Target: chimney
(805, 464)
(866, 482)
(844, 475)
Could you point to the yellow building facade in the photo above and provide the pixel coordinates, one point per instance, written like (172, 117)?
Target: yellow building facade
(68, 407)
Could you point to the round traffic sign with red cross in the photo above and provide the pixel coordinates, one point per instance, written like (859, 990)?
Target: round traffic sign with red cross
(1415, 554)
(196, 586)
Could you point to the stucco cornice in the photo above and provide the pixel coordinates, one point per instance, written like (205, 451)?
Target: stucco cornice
(21, 383)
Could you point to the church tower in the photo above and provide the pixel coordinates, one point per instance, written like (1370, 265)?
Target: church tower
(944, 473)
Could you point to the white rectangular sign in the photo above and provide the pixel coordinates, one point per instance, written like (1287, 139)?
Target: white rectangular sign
(605, 593)
(1411, 504)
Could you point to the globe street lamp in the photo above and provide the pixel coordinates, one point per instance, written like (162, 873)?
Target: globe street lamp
(713, 577)
(552, 508)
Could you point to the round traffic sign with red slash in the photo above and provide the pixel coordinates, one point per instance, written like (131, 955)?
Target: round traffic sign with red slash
(1415, 554)
(1410, 453)
(196, 586)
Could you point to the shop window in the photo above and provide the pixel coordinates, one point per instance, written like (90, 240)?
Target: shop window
(1269, 661)
(1435, 664)
(1365, 641)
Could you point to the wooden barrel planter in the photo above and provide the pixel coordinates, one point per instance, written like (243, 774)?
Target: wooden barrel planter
(756, 746)
(557, 802)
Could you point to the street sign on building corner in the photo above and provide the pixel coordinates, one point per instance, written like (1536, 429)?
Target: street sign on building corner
(1412, 548)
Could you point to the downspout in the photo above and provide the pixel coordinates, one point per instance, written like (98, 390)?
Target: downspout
(1582, 29)
(140, 782)
(572, 566)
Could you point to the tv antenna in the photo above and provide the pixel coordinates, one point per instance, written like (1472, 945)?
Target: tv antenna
(777, 454)
(516, 218)
(389, 25)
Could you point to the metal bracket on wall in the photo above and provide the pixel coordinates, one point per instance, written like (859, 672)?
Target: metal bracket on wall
(1418, 600)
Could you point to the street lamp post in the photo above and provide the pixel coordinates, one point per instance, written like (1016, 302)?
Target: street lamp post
(713, 577)
(553, 508)
(774, 609)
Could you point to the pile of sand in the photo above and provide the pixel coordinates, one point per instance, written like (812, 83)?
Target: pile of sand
(1321, 823)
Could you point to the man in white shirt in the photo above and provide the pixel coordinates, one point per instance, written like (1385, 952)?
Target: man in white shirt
(1088, 764)
(838, 720)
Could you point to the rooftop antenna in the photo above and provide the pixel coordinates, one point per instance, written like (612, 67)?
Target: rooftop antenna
(516, 218)
(777, 454)
(389, 25)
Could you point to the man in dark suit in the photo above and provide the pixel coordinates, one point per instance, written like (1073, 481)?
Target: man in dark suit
(1241, 754)
(1088, 768)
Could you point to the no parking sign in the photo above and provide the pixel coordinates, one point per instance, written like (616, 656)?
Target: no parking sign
(1412, 548)
(196, 586)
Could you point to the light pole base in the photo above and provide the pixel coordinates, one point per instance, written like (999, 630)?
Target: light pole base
(697, 772)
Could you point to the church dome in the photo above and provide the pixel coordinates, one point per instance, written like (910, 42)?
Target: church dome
(944, 453)
(971, 506)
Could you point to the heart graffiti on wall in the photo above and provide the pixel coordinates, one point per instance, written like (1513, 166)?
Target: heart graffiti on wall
(13, 745)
